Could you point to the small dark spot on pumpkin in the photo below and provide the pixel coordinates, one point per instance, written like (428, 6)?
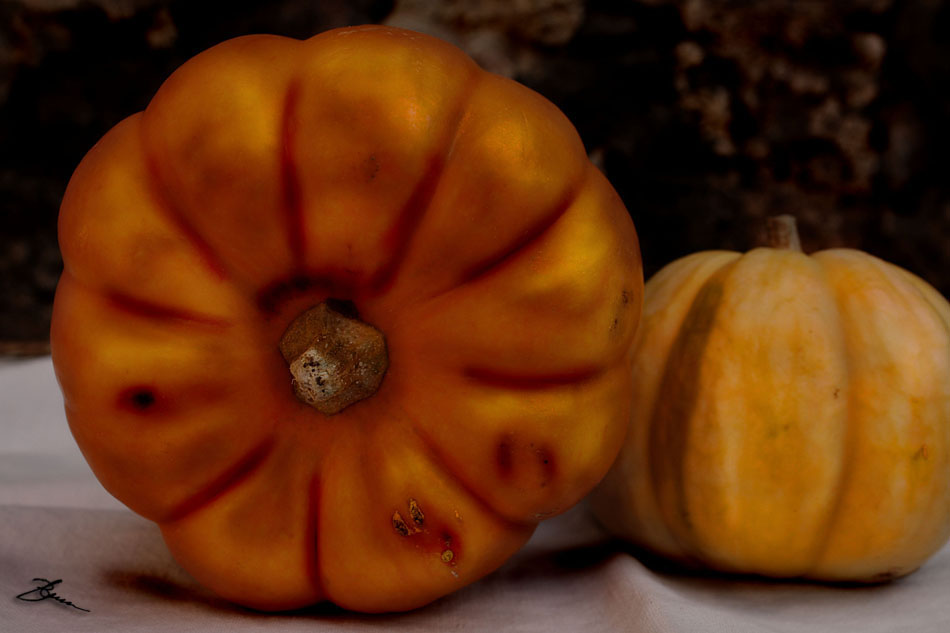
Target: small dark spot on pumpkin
(138, 399)
(837, 391)
(143, 399)
(625, 297)
(921, 453)
(547, 462)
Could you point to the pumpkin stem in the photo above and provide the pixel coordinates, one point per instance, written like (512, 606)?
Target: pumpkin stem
(334, 359)
(781, 232)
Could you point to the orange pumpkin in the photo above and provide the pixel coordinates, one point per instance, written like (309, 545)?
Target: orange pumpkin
(346, 317)
(792, 416)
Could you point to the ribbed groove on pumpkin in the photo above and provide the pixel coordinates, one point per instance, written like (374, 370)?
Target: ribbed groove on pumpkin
(151, 310)
(667, 446)
(651, 332)
(445, 464)
(164, 203)
(290, 176)
(528, 237)
(843, 391)
(227, 480)
(896, 287)
(312, 556)
(514, 380)
(853, 358)
(416, 207)
(847, 457)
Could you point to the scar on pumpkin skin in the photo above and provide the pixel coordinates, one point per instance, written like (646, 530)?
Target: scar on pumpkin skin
(142, 399)
(624, 301)
(138, 399)
(415, 513)
(399, 524)
(448, 555)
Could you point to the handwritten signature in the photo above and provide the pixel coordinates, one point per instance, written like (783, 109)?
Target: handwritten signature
(45, 592)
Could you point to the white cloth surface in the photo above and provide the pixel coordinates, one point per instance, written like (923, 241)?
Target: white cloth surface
(56, 522)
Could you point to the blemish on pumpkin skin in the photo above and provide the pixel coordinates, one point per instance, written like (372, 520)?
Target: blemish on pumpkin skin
(439, 539)
(621, 312)
(535, 464)
(138, 399)
(546, 461)
(372, 167)
(448, 555)
(143, 399)
(416, 512)
(400, 525)
(921, 454)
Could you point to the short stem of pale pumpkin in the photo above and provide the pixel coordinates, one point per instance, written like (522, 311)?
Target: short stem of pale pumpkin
(781, 231)
(334, 360)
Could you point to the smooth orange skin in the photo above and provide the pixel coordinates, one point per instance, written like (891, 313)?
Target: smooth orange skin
(455, 208)
(792, 417)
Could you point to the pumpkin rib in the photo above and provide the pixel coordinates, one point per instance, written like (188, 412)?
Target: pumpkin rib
(699, 317)
(894, 275)
(895, 287)
(237, 542)
(420, 200)
(848, 437)
(407, 220)
(228, 479)
(781, 422)
(439, 457)
(312, 556)
(149, 309)
(512, 251)
(510, 380)
(291, 196)
(164, 204)
(634, 485)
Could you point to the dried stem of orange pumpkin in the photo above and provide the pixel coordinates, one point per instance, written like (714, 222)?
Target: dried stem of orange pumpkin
(334, 360)
(781, 231)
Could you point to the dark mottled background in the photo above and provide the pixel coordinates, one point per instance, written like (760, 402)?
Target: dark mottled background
(706, 115)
